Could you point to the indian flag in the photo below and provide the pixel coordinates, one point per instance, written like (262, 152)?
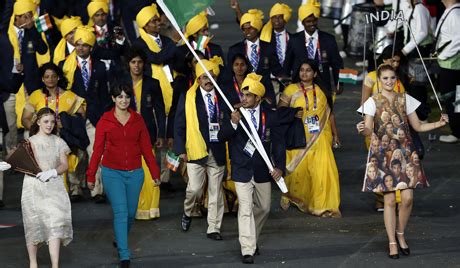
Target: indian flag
(4, 226)
(183, 10)
(349, 76)
(202, 42)
(172, 161)
(43, 23)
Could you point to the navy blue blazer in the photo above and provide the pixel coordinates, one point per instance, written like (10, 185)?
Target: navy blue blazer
(152, 108)
(97, 96)
(31, 44)
(244, 168)
(217, 148)
(268, 63)
(165, 56)
(297, 53)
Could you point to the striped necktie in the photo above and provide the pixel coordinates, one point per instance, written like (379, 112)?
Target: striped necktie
(158, 40)
(311, 49)
(20, 38)
(211, 108)
(85, 74)
(254, 59)
(279, 49)
(253, 117)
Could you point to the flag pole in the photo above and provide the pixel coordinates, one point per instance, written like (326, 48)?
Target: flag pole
(255, 139)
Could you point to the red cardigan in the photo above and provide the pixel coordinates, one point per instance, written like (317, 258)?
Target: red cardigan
(121, 146)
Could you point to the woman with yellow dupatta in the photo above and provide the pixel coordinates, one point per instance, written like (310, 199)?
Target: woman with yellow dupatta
(148, 102)
(54, 95)
(312, 177)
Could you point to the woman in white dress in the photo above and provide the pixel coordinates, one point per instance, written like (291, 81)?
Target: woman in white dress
(45, 204)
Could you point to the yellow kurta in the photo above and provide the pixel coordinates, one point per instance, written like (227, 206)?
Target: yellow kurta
(313, 183)
(149, 198)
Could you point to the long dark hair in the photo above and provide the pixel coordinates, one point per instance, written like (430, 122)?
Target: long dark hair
(42, 112)
(62, 82)
(316, 80)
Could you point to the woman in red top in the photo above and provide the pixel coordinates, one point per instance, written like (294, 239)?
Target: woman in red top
(122, 138)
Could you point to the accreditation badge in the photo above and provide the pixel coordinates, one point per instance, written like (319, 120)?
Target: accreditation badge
(213, 132)
(249, 149)
(312, 123)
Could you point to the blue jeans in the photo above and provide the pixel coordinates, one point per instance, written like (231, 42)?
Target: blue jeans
(122, 189)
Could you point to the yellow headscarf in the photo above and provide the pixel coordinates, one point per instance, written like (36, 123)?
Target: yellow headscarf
(253, 84)
(86, 35)
(195, 145)
(67, 26)
(94, 6)
(277, 9)
(312, 7)
(142, 18)
(195, 24)
(254, 17)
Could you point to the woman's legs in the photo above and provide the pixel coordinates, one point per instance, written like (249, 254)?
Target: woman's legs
(405, 209)
(32, 250)
(389, 217)
(54, 246)
(115, 187)
(133, 190)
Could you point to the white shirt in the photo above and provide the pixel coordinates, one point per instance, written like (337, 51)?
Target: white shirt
(449, 31)
(406, 8)
(315, 40)
(102, 29)
(204, 94)
(256, 115)
(155, 38)
(369, 106)
(249, 47)
(80, 63)
(420, 25)
(70, 47)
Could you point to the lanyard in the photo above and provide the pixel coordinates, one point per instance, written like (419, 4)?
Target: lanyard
(306, 96)
(237, 88)
(263, 126)
(57, 102)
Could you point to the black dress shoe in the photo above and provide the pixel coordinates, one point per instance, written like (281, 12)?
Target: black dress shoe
(185, 222)
(248, 259)
(393, 256)
(124, 264)
(214, 236)
(75, 198)
(99, 199)
(404, 251)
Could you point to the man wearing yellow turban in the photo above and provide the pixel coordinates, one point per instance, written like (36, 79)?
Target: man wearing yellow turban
(67, 44)
(316, 45)
(260, 54)
(197, 32)
(88, 79)
(275, 32)
(196, 140)
(249, 171)
(161, 54)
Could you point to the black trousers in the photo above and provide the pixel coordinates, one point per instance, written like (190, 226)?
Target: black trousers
(448, 81)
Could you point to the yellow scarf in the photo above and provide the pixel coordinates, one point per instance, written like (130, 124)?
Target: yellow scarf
(70, 65)
(158, 72)
(195, 145)
(67, 26)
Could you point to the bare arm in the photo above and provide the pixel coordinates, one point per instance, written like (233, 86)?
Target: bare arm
(26, 118)
(365, 127)
(335, 133)
(418, 126)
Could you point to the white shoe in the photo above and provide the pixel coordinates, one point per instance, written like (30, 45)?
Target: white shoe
(343, 54)
(448, 139)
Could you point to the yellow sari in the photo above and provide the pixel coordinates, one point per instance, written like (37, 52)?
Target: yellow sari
(70, 103)
(149, 198)
(312, 176)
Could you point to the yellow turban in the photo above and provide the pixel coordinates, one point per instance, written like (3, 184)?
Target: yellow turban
(277, 9)
(253, 84)
(146, 14)
(23, 6)
(95, 6)
(85, 34)
(312, 7)
(254, 17)
(212, 65)
(70, 24)
(195, 24)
